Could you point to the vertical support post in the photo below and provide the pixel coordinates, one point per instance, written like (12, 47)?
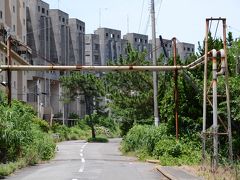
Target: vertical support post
(155, 82)
(176, 85)
(227, 93)
(38, 99)
(9, 72)
(215, 116)
(205, 93)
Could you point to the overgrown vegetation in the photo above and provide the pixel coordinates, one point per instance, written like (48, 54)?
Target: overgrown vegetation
(131, 102)
(24, 139)
(27, 140)
(157, 142)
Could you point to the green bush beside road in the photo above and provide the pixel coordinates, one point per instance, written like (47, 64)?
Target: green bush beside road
(24, 139)
(149, 141)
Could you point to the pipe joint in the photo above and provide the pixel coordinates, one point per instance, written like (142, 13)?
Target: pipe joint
(222, 53)
(214, 53)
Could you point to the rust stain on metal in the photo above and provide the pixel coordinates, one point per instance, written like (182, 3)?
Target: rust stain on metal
(130, 67)
(79, 67)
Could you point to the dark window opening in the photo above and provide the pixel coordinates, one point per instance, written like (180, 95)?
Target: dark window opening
(43, 10)
(188, 49)
(1, 14)
(63, 19)
(39, 8)
(135, 39)
(106, 34)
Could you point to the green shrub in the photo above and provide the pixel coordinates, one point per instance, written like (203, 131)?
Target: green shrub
(23, 136)
(143, 136)
(155, 141)
(42, 124)
(103, 131)
(98, 139)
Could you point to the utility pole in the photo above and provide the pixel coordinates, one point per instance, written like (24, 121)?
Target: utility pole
(176, 85)
(155, 79)
(9, 73)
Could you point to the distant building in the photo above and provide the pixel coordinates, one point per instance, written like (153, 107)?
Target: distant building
(139, 42)
(77, 42)
(38, 28)
(184, 50)
(92, 50)
(60, 34)
(110, 44)
(13, 22)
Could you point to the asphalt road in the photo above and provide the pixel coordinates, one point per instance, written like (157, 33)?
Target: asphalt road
(78, 160)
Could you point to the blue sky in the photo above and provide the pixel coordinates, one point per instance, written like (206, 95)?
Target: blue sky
(184, 19)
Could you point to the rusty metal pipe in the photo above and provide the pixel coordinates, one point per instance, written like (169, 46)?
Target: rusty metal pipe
(89, 68)
(223, 64)
(215, 115)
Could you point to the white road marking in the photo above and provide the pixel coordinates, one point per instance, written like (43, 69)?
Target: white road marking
(74, 179)
(82, 159)
(81, 168)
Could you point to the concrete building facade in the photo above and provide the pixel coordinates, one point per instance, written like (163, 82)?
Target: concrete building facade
(60, 35)
(139, 42)
(92, 50)
(13, 22)
(77, 42)
(110, 44)
(184, 50)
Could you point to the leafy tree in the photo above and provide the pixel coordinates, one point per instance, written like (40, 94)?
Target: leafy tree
(88, 85)
(131, 93)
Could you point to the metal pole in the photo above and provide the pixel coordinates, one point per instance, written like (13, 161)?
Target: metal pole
(9, 73)
(155, 78)
(227, 93)
(215, 116)
(38, 98)
(205, 93)
(176, 84)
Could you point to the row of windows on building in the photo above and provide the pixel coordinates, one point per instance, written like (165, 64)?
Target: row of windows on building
(184, 48)
(112, 35)
(43, 10)
(140, 40)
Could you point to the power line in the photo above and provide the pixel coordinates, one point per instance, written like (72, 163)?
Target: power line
(159, 9)
(141, 16)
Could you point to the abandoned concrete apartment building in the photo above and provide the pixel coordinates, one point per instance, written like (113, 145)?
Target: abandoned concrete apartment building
(54, 38)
